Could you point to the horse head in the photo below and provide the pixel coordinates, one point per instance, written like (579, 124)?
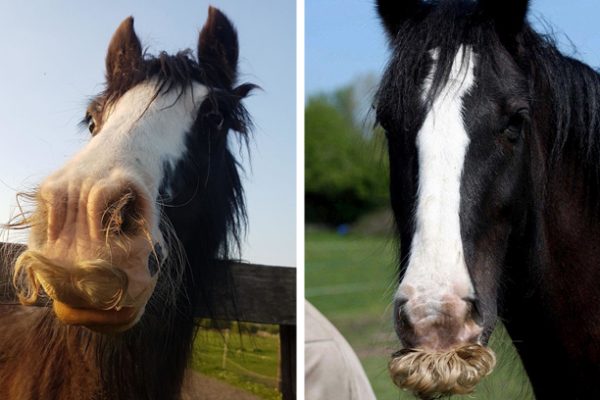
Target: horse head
(102, 229)
(455, 104)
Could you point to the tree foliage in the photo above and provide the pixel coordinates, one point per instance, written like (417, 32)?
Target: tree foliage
(345, 171)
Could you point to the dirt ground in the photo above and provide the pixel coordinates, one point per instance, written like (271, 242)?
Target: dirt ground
(202, 387)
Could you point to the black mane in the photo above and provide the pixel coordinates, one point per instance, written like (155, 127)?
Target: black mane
(574, 90)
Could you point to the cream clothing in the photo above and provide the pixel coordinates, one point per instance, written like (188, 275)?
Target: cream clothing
(332, 369)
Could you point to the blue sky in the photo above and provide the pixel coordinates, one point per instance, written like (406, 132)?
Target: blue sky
(53, 61)
(344, 39)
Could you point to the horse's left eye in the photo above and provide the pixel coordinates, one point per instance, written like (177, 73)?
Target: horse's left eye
(513, 133)
(514, 129)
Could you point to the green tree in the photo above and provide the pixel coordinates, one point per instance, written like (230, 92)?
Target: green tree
(345, 173)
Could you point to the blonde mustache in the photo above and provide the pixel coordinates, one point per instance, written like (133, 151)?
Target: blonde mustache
(435, 374)
(94, 284)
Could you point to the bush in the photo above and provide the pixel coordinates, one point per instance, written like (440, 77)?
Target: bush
(345, 172)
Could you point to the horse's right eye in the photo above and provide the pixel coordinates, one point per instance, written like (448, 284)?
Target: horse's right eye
(91, 124)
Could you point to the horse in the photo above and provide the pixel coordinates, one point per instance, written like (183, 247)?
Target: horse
(125, 239)
(493, 138)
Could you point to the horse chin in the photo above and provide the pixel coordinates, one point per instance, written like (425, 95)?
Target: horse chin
(433, 374)
(102, 321)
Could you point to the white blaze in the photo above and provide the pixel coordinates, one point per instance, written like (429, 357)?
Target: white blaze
(437, 265)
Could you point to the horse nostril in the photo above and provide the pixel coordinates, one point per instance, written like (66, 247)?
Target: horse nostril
(400, 311)
(400, 301)
(474, 310)
(123, 214)
(402, 320)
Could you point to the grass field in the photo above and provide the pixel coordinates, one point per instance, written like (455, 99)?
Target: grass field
(351, 280)
(250, 361)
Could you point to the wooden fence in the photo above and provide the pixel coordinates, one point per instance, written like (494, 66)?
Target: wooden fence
(265, 295)
(248, 292)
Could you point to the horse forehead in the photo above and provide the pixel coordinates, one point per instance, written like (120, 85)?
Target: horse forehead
(443, 138)
(460, 79)
(156, 122)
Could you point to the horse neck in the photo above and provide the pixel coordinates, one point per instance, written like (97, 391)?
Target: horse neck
(555, 279)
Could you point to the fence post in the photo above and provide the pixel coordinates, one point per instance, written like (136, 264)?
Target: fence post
(287, 349)
(225, 350)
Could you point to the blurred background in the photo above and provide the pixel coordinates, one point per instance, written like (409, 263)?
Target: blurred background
(350, 249)
(53, 63)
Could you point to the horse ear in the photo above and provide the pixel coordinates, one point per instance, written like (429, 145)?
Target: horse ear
(218, 49)
(394, 12)
(509, 16)
(124, 51)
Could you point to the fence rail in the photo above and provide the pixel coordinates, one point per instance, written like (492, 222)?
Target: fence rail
(244, 292)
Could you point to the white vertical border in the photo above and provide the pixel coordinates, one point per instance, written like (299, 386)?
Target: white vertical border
(300, 198)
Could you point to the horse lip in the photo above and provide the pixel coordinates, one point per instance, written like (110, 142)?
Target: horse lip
(104, 321)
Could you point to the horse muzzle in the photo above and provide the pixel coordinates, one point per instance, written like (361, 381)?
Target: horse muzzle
(443, 352)
(90, 250)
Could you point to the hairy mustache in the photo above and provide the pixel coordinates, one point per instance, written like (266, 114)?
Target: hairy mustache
(94, 284)
(436, 374)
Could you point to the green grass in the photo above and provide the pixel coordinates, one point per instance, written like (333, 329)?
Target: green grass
(351, 280)
(251, 361)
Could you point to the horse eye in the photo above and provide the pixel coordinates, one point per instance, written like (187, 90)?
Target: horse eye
(512, 134)
(515, 127)
(91, 124)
